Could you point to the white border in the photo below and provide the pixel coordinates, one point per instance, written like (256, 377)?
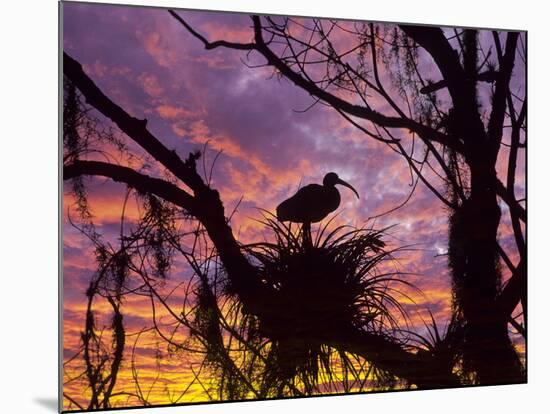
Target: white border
(28, 210)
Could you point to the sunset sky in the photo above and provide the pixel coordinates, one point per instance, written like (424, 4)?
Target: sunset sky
(151, 66)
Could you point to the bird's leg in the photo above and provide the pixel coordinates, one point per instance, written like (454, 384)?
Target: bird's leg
(306, 235)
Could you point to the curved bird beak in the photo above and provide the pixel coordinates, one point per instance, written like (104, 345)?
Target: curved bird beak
(342, 182)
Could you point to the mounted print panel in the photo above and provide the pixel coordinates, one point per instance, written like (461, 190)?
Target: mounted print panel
(260, 207)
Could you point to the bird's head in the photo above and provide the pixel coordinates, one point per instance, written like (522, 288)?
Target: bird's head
(331, 179)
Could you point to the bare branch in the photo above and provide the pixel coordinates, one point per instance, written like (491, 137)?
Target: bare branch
(315, 90)
(433, 40)
(513, 204)
(514, 290)
(213, 45)
(506, 65)
(133, 127)
(488, 76)
(418, 369)
(141, 182)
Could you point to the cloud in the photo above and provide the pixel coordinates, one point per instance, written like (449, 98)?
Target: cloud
(150, 84)
(173, 112)
(156, 46)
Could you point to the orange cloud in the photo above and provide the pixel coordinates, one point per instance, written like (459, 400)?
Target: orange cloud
(150, 84)
(172, 112)
(157, 47)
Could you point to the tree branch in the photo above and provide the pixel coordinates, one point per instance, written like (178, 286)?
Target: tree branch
(206, 43)
(512, 164)
(207, 206)
(352, 109)
(141, 182)
(133, 127)
(433, 40)
(506, 65)
(513, 204)
(338, 103)
(488, 76)
(514, 290)
(461, 86)
(419, 369)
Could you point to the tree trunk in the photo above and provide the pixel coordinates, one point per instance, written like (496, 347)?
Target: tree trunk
(488, 351)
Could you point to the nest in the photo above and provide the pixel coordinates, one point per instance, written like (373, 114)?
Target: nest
(321, 288)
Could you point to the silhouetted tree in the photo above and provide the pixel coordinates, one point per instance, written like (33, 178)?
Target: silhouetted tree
(389, 355)
(441, 127)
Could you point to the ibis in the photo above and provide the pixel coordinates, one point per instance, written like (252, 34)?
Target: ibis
(312, 203)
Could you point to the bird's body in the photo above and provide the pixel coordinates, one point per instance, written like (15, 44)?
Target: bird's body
(310, 204)
(313, 202)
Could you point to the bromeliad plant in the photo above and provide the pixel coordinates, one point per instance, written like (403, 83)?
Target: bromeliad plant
(335, 283)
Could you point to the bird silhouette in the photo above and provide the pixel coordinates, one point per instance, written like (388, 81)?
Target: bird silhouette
(312, 203)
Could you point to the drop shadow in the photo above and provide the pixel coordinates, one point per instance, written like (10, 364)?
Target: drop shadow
(49, 403)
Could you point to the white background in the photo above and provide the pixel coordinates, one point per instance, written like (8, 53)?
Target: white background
(28, 204)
